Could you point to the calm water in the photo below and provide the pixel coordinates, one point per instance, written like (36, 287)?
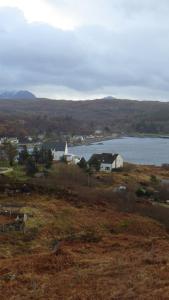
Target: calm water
(137, 150)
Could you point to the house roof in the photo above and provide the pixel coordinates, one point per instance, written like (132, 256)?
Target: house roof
(107, 158)
(54, 146)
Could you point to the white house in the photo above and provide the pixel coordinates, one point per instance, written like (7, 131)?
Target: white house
(98, 132)
(109, 163)
(77, 138)
(106, 162)
(12, 140)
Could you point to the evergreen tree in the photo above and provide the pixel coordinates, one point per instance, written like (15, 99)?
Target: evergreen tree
(94, 164)
(42, 156)
(23, 156)
(48, 158)
(31, 167)
(63, 159)
(82, 164)
(10, 151)
(36, 154)
(45, 157)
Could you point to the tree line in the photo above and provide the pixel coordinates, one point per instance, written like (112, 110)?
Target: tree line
(31, 161)
(37, 157)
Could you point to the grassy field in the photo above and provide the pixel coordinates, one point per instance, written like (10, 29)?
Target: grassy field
(106, 252)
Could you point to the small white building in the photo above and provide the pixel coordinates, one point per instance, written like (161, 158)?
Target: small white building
(98, 132)
(29, 138)
(106, 162)
(58, 154)
(41, 136)
(77, 138)
(58, 149)
(72, 159)
(12, 140)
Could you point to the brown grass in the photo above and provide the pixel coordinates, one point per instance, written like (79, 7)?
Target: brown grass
(122, 264)
(104, 253)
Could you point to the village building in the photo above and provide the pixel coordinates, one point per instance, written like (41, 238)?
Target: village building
(12, 140)
(29, 138)
(98, 132)
(41, 136)
(71, 158)
(106, 162)
(60, 152)
(77, 138)
(58, 149)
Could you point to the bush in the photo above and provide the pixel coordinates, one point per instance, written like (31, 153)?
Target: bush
(89, 235)
(144, 192)
(70, 175)
(154, 179)
(31, 167)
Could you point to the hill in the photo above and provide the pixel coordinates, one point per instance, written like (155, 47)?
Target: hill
(121, 116)
(25, 95)
(107, 250)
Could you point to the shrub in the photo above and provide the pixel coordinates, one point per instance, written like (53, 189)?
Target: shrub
(89, 235)
(154, 179)
(31, 167)
(144, 192)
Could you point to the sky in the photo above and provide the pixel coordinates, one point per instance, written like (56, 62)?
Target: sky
(74, 49)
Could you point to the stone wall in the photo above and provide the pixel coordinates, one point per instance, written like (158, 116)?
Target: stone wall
(17, 221)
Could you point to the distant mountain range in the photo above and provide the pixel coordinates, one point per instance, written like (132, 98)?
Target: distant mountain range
(17, 95)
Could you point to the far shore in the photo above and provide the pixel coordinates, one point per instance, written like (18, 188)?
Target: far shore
(118, 136)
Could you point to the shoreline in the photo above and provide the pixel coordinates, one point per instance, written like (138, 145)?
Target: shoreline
(94, 140)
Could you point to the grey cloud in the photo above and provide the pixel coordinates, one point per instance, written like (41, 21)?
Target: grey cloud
(88, 59)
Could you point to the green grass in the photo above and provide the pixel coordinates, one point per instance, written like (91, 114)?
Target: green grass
(4, 164)
(18, 173)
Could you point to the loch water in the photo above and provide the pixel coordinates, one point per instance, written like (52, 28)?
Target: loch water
(151, 151)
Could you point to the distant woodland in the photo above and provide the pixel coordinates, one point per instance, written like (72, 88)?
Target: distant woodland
(31, 117)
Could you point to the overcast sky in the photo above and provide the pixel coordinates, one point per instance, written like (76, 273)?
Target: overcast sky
(78, 49)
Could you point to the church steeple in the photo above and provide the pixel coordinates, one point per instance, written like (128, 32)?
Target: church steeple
(66, 149)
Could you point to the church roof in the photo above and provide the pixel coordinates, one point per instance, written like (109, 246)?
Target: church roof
(57, 146)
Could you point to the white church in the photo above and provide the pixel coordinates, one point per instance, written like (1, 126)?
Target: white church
(60, 151)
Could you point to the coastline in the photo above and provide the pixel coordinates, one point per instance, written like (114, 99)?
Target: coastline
(149, 135)
(93, 140)
(90, 141)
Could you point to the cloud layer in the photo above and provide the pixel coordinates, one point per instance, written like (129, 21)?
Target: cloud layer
(119, 48)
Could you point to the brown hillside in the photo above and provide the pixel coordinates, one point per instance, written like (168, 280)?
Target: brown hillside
(104, 254)
(121, 116)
